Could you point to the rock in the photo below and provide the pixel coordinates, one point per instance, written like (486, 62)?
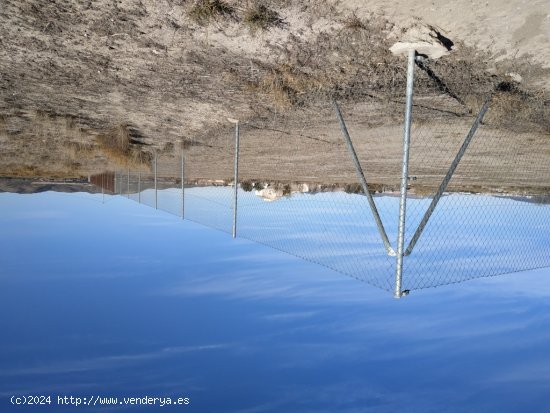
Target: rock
(425, 39)
(270, 194)
(516, 77)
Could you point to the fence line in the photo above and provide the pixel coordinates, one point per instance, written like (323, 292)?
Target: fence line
(460, 197)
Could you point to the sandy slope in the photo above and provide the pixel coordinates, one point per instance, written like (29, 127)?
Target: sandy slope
(506, 28)
(73, 71)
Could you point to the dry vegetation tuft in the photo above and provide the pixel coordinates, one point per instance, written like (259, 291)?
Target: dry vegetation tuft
(260, 17)
(286, 86)
(23, 171)
(519, 111)
(116, 146)
(79, 150)
(204, 11)
(353, 22)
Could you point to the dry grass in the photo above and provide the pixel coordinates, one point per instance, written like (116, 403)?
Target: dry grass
(37, 143)
(274, 86)
(353, 22)
(78, 150)
(204, 11)
(23, 171)
(72, 167)
(346, 64)
(518, 110)
(115, 145)
(286, 86)
(247, 186)
(260, 17)
(168, 148)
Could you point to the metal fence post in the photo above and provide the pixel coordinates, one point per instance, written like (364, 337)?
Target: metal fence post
(404, 174)
(236, 181)
(156, 192)
(362, 180)
(128, 184)
(139, 186)
(182, 186)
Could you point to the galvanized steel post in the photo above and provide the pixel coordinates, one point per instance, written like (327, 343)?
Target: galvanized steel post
(236, 180)
(404, 174)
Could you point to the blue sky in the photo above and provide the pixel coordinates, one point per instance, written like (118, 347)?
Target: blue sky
(119, 299)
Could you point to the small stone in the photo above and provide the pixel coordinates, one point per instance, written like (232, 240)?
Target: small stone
(516, 77)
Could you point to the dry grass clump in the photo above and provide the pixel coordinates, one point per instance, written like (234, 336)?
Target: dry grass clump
(204, 11)
(287, 86)
(520, 111)
(21, 171)
(258, 186)
(353, 22)
(116, 139)
(117, 147)
(72, 167)
(279, 93)
(348, 64)
(259, 17)
(78, 150)
(247, 186)
(353, 188)
(168, 148)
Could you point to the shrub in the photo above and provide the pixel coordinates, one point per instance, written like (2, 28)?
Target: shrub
(203, 11)
(260, 17)
(116, 145)
(354, 23)
(258, 186)
(247, 186)
(353, 188)
(286, 190)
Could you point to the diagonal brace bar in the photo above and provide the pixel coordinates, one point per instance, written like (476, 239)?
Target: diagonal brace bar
(363, 181)
(448, 177)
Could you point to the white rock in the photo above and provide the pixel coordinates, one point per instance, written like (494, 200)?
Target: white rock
(516, 77)
(425, 40)
(270, 194)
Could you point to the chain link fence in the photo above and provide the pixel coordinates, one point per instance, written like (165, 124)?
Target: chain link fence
(325, 184)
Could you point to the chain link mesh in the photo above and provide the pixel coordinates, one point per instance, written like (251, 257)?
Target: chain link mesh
(299, 191)
(493, 217)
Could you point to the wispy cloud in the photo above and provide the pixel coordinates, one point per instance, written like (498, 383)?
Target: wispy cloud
(109, 362)
(290, 316)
